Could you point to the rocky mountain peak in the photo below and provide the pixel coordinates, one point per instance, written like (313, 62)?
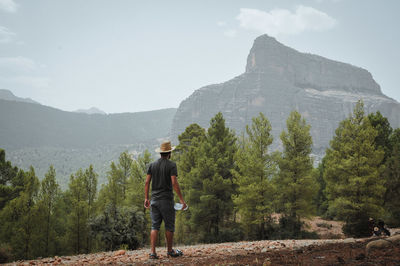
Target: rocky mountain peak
(307, 70)
(263, 54)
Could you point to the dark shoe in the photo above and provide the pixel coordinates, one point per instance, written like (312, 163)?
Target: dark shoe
(153, 256)
(175, 253)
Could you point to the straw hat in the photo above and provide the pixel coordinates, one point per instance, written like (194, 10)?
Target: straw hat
(165, 147)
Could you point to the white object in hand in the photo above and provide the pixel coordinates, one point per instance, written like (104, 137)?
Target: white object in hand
(178, 206)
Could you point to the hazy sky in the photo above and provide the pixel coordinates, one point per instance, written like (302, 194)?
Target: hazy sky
(131, 55)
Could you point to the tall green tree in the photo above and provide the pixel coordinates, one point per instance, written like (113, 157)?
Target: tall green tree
(125, 163)
(19, 218)
(119, 179)
(90, 182)
(78, 204)
(137, 179)
(392, 181)
(352, 172)
(384, 130)
(112, 191)
(256, 168)
(321, 202)
(11, 180)
(48, 197)
(295, 183)
(186, 154)
(135, 192)
(211, 185)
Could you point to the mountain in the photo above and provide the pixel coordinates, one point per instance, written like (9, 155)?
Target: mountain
(9, 96)
(279, 79)
(91, 111)
(31, 125)
(41, 136)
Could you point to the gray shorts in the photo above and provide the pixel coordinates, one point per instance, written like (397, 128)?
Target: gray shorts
(162, 210)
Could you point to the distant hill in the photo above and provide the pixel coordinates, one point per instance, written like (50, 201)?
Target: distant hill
(9, 96)
(32, 125)
(39, 135)
(91, 111)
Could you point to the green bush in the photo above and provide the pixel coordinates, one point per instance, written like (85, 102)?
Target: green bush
(357, 227)
(119, 227)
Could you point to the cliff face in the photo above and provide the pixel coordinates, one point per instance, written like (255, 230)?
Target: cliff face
(279, 79)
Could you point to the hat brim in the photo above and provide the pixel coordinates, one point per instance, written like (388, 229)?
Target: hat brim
(158, 150)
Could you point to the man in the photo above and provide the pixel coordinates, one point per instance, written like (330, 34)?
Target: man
(162, 173)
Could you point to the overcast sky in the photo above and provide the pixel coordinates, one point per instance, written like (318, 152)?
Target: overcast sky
(131, 55)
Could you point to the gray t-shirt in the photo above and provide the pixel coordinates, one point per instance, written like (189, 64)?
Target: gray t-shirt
(161, 184)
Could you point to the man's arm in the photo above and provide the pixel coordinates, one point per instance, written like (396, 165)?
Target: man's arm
(178, 191)
(146, 192)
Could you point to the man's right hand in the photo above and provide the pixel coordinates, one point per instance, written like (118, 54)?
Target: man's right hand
(184, 206)
(147, 203)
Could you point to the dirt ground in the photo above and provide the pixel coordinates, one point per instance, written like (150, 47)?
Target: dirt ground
(331, 249)
(284, 252)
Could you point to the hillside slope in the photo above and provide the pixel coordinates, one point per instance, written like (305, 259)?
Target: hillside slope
(41, 136)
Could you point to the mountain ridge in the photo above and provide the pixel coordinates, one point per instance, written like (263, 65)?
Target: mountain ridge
(9, 96)
(90, 111)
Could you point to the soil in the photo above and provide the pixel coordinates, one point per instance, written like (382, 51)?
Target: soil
(284, 252)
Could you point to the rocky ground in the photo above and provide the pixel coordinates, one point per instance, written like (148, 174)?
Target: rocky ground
(284, 252)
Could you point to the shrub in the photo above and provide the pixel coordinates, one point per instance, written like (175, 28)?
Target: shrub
(118, 227)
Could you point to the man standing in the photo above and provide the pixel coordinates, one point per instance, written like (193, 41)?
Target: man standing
(162, 173)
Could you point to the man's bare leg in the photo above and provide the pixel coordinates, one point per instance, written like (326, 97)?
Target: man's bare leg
(153, 239)
(170, 237)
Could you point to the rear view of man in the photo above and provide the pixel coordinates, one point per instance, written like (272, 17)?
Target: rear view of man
(162, 174)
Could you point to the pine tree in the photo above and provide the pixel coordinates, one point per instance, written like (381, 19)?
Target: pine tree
(125, 166)
(137, 179)
(48, 197)
(352, 171)
(186, 154)
(392, 181)
(19, 218)
(384, 130)
(78, 203)
(90, 182)
(321, 201)
(11, 180)
(112, 191)
(135, 191)
(295, 183)
(256, 168)
(210, 185)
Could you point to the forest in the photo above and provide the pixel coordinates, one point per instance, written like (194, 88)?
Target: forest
(232, 184)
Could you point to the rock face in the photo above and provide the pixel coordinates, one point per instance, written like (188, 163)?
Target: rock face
(278, 80)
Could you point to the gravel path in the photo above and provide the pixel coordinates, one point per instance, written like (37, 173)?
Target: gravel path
(197, 254)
